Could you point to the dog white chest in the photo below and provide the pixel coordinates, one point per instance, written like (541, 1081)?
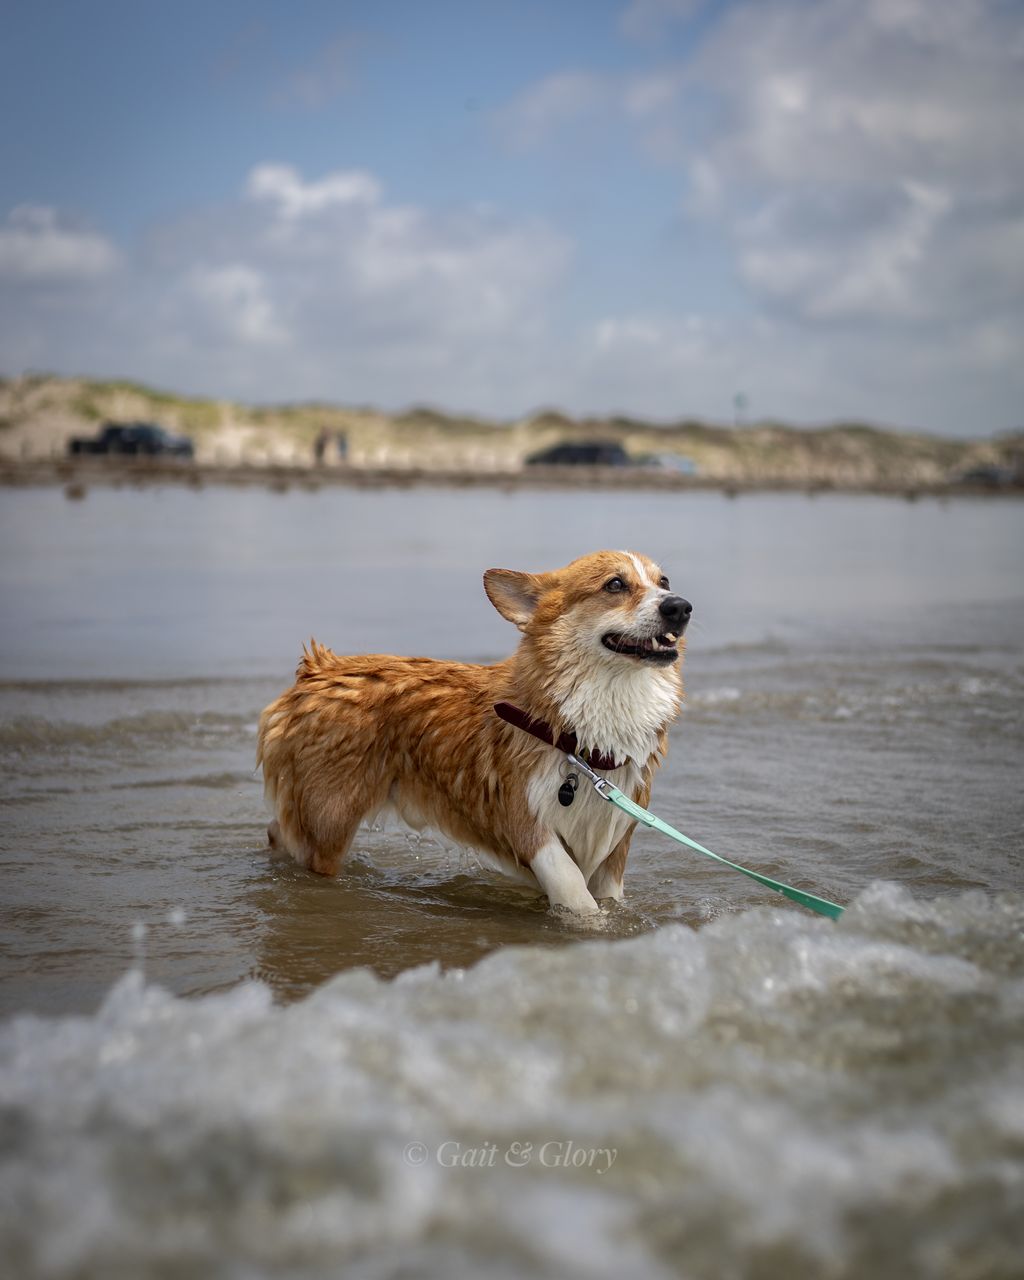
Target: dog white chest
(614, 713)
(619, 714)
(590, 827)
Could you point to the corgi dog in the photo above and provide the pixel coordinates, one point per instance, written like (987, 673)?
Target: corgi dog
(598, 667)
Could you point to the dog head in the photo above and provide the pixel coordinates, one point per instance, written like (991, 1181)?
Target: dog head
(613, 607)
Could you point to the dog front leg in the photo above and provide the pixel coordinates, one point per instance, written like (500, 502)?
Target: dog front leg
(606, 881)
(561, 879)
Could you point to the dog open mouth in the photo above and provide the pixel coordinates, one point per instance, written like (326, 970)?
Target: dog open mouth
(660, 648)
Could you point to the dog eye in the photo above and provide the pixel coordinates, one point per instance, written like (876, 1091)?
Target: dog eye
(663, 582)
(614, 584)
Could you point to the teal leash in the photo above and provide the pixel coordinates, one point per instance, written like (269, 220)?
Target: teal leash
(608, 791)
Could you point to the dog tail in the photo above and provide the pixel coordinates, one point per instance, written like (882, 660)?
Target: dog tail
(274, 719)
(315, 659)
(269, 717)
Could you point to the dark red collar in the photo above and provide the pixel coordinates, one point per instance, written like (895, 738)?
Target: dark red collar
(564, 741)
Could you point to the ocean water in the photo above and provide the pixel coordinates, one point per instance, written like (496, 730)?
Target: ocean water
(212, 1062)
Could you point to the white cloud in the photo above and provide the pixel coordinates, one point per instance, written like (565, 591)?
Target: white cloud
(537, 114)
(875, 274)
(673, 339)
(859, 159)
(316, 287)
(668, 367)
(36, 247)
(842, 145)
(852, 144)
(556, 100)
(843, 90)
(282, 186)
(645, 95)
(235, 299)
(469, 273)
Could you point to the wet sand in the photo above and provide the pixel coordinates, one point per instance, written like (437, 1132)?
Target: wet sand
(77, 476)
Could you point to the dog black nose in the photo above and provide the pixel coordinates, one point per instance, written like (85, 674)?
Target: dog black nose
(676, 611)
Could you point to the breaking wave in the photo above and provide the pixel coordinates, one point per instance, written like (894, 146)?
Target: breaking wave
(772, 1095)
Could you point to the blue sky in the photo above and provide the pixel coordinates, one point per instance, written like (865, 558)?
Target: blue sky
(645, 206)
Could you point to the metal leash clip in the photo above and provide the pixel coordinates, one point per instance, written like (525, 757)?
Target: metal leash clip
(600, 784)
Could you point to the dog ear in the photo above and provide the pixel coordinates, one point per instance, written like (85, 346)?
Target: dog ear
(514, 595)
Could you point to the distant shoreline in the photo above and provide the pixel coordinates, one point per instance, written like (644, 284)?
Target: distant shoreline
(41, 417)
(78, 475)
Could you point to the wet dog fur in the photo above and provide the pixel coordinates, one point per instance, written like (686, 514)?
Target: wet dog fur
(599, 656)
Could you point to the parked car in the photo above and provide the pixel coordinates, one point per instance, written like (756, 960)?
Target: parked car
(678, 463)
(987, 477)
(133, 438)
(583, 453)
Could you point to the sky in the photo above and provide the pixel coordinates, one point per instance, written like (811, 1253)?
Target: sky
(647, 207)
